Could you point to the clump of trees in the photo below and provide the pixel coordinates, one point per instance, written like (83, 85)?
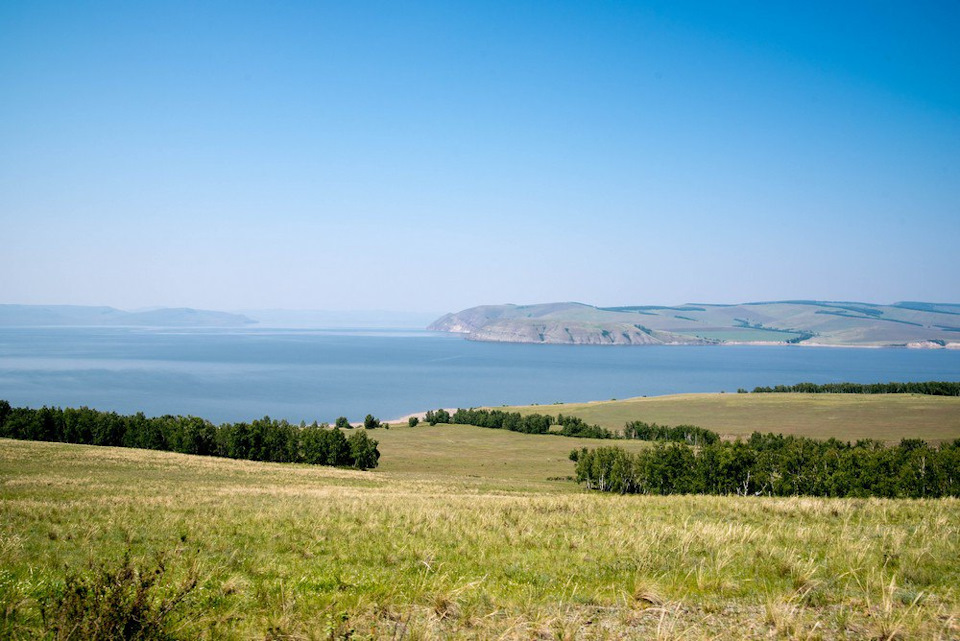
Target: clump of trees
(681, 433)
(777, 465)
(516, 422)
(263, 439)
(932, 388)
(578, 428)
(437, 416)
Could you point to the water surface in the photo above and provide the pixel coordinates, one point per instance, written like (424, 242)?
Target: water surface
(233, 375)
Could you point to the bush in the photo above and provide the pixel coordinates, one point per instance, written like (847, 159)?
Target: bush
(413, 421)
(114, 603)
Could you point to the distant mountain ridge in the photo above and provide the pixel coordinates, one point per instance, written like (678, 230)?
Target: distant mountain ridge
(807, 322)
(84, 316)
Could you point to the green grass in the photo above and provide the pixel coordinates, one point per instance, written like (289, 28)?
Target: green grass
(887, 417)
(465, 549)
(742, 335)
(482, 457)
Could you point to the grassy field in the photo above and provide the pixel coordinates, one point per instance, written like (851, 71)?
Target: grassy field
(482, 458)
(744, 334)
(888, 417)
(478, 544)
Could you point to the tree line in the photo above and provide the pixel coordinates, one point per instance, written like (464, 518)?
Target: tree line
(494, 419)
(932, 388)
(263, 439)
(570, 426)
(777, 465)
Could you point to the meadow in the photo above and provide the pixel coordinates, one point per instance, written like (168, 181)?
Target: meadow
(461, 532)
(483, 459)
(848, 417)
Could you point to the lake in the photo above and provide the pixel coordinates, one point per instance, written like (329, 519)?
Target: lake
(235, 375)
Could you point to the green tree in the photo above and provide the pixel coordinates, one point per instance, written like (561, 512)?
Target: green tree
(363, 451)
(337, 448)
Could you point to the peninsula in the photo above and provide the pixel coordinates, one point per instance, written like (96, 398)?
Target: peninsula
(804, 322)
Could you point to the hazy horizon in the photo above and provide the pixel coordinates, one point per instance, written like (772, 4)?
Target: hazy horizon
(433, 314)
(431, 157)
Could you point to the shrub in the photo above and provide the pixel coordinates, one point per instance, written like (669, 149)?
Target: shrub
(106, 603)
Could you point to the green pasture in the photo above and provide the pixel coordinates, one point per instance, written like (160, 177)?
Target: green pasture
(482, 457)
(477, 544)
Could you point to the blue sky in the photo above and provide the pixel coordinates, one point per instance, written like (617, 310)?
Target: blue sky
(428, 156)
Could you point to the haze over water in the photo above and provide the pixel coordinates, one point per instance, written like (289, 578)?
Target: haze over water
(238, 375)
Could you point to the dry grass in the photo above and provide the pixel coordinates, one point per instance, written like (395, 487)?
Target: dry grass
(283, 551)
(887, 417)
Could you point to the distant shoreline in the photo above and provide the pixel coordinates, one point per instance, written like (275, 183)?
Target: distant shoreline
(915, 345)
(912, 325)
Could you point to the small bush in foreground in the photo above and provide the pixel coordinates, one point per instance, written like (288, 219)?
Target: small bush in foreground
(114, 603)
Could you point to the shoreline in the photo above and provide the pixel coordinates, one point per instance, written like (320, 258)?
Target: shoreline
(925, 345)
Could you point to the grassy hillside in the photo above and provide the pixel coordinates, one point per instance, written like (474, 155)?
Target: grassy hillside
(295, 552)
(888, 417)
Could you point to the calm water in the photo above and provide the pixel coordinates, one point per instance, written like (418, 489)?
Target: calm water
(320, 374)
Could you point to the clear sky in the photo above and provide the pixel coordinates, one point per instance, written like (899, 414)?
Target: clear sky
(433, 156)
